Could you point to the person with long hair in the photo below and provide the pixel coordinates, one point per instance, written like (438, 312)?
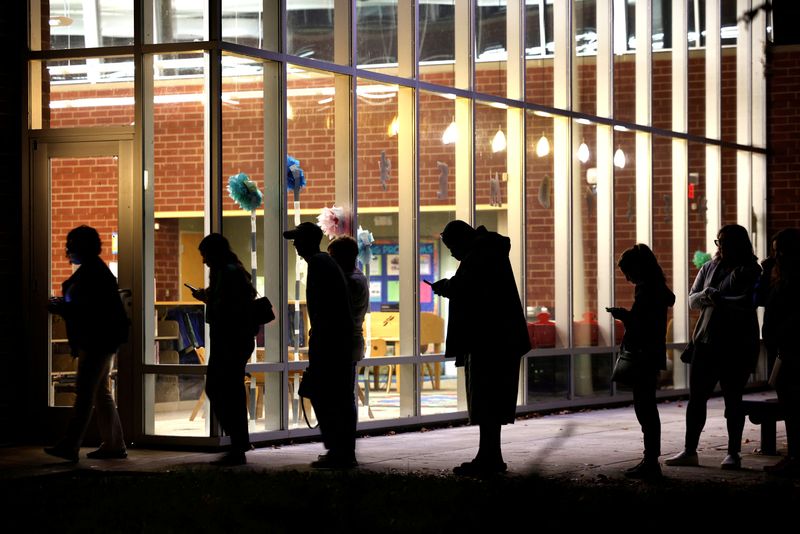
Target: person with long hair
(645, 336)
(726, 341)
(779, 293)
(228, 299)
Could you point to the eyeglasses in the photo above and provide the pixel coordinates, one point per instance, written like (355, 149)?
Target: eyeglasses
(719, 242)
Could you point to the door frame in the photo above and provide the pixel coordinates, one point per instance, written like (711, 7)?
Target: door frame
(46, 420)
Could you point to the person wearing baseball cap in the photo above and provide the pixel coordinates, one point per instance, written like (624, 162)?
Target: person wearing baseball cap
(330, 348)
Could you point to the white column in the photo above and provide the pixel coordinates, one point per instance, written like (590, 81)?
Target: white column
(744, 68)
(644, 168)
(713, 124)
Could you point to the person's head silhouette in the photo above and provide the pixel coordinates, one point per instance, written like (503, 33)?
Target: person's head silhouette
(216, 250)
(306, 238)
(344, 250)
(458, 237)
(83, 243)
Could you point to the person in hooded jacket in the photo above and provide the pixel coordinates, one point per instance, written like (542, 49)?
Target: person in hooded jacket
(645, 335)
(487, 334)
(96, 326)
(726, 341)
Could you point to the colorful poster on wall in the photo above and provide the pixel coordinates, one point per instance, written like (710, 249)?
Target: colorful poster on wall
(384, 276)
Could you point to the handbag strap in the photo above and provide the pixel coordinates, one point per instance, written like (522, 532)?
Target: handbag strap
(305, 415)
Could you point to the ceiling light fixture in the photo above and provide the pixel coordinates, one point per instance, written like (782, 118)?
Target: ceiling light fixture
(542, 146)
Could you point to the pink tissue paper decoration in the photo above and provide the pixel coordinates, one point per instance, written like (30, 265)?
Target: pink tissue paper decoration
(332, 221)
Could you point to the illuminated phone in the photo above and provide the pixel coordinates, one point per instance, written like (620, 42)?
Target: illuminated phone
(191, 287)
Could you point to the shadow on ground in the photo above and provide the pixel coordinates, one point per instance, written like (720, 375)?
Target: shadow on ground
(202, 499)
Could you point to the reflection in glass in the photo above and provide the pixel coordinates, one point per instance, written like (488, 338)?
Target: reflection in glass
(309, 29)
(179, 22)
(180, 407)
(548, 378)
(437, 42)
(73, 24)
(377, 33)
(592, 374)
(490, 48)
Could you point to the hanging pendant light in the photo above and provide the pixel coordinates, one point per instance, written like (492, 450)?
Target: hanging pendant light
(499, 141)
(583, 152)
(394, 127)
(619, 158)
(450, 134)
(289, 111)
(542, 146)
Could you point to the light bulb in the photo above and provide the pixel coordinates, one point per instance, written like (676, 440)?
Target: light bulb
(619, 158)
(542, 147)
(499, 141)
(450, 134)
(394, 127)
(583, 152)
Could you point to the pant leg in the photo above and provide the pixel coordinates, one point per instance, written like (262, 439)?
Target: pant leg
(336, 409)
(92, 369)
(106, 411)
(226, 391)
(702, 380)
(646, 409)
(788, 388)
(732, 381)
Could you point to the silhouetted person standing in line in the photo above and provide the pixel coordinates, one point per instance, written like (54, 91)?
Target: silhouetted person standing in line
(486, 333)
(344, 250)
(330, 349)
(96, 326)
(228, 299)
(726, 341)
(779, 293)
(645, 335)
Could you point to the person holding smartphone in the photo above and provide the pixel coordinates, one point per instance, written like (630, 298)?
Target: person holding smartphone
(487, 334)
(227, 299)
(645, 336)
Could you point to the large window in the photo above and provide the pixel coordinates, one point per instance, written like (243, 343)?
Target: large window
(564, 133)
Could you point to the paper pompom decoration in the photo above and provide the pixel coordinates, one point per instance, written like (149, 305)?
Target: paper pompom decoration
(331, 220)
(244, 192)
(365, 241)
(295, 177)
(700, 258)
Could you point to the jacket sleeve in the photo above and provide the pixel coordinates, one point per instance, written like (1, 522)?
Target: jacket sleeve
(699, 296)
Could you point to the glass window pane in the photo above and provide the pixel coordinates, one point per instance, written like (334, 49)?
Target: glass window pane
(70, 24)
(540, 231)
(585, 62)
(439, 393)
(491, 51)
(698, 217)
(311, 142)
(624, 211)
(178, 190)
(79, 93)
(379, 390)
(491, 176)
(179, 21)
(242, 22)
(180, 406)
(539, 47)
(437, 42)
(377, 34)
(728, 189)
(592, 374)
(309, 28)
(548, 378)
(624, 65)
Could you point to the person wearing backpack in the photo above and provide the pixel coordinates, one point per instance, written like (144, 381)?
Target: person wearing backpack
(96, 326)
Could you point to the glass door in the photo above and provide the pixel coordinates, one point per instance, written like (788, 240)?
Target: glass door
(79, 180)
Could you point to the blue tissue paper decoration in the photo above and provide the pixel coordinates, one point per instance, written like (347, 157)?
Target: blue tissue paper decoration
(244, 192)
(295, 177)
(365, 241)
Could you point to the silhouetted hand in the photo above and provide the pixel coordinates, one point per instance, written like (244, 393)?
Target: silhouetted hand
(617, 313)
(439, 287)
(200, 294)
(55, 305)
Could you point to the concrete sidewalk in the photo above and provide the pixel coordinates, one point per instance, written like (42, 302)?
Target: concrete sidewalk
(586, 445)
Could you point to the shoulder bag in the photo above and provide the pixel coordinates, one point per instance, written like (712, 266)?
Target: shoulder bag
(626, 367)
(261, 311)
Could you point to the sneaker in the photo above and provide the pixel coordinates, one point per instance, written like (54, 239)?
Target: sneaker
(231, 458)
(477, 468)
(788, 466)
(645, 470)
(683, 458)
(106, 454)
(732, 461)
(65, 454)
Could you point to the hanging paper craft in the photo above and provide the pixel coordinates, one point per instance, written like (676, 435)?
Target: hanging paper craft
(385, 167)
(244, 192)
(444, 171)
(331, 220)
(365, 241)
(295, 177)
(700, 258)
